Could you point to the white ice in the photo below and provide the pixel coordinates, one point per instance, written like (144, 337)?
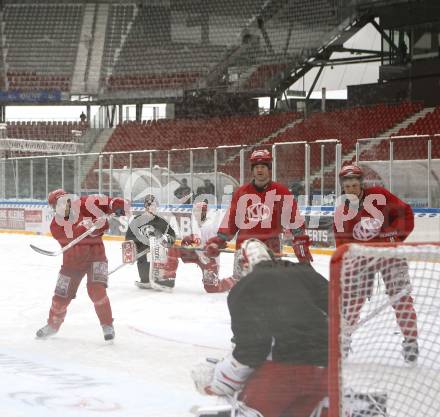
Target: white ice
(144, 373)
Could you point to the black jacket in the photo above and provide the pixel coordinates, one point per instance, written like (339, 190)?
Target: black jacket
(280, 308)
(143, 226)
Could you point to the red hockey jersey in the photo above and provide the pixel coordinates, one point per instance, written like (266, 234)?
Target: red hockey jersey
(65, 230)
(380, 216)
(261, 213)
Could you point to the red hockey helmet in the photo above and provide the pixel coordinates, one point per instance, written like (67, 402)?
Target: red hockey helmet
(261, 156)
(54, 196)
(351, 171)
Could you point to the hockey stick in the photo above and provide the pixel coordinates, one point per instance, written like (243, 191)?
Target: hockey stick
(69, 245)
(202, 249)
(228, 250)
(127, 263)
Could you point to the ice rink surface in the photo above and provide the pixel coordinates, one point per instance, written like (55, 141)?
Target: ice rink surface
(144, 373)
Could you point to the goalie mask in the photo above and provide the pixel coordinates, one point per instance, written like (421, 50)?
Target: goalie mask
(150, 203)
(252, 252)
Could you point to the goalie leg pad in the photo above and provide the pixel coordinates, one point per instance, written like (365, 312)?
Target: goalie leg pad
(129, 252)
(162, 268)
(210, 274)
(278, 388)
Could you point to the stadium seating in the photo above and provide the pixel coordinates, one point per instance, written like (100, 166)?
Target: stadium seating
(411, 148)
(60, 131)
(347, 125)
(40, 44)
(139, 54)
(167, 134)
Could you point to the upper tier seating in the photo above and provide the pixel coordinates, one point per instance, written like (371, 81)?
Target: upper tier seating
(40, 44)
(139, 53)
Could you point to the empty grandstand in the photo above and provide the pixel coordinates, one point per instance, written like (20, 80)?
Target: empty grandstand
(208, 63)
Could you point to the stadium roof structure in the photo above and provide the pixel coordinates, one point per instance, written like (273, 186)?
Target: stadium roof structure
(161, 50)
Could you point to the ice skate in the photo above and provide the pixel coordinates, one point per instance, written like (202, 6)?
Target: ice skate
(109, 332)
(143, 285)
(46, 332)
(410, 350)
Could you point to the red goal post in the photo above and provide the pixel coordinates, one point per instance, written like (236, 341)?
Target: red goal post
(382, 298)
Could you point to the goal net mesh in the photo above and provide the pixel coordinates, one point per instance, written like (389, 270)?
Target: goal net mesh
(385, 331)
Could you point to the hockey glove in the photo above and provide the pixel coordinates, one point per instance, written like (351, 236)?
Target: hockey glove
(187, 240)
(301, 245)
(213, 246)
(227, 377)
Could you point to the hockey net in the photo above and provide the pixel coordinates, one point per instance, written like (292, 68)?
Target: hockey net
(381, 296)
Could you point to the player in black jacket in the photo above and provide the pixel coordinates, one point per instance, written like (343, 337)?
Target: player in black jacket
(140, 229)
(279, 321)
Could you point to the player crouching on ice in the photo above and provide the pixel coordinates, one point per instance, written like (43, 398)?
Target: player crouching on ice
(143, 229)
(278, 366)
(204, 227)
(73, 217)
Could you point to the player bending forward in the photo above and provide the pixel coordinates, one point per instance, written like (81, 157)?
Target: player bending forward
(278, 366)
(141, 228)
(73, 217)
(204, 227)
(262, 209)
(375, 215)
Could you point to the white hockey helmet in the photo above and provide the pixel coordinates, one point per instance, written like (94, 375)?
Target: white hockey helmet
(252, 252)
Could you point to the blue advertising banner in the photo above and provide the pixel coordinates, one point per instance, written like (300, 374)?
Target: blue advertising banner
(18, 96)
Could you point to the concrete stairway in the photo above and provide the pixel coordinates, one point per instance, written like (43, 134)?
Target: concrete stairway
(85, 43)
(95, 63)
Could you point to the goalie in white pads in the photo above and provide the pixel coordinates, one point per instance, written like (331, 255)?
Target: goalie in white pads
(204, 227)
(141, 230)
(278, 366)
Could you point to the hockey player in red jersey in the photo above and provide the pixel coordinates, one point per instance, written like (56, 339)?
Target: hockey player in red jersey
(204, 227)
(262, 209)
(279, 318)
(369, 215)
(73, 217)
